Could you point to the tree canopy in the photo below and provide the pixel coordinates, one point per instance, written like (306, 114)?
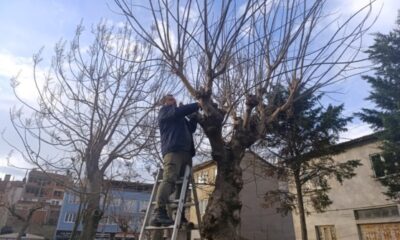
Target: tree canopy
(229, 55)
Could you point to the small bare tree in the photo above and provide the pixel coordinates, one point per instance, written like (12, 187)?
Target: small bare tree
(229, 55)
(90, 110)
(24, 217)
(20, 209)
(123, 214)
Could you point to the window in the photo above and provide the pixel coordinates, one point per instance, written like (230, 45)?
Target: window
(116, 201)
(32, 189)
(202, 177)
(129, 205)
(326, 232)
(107, 220)
(69, 217)
(74, 199)
(58, 193)
(383, 212)
(102, 200)
(378, 165)
(42, 193)
(143, 206)
(111, 220)
(103, 220)
(199, 178)
(314, 184)
(384, 165)
(202, 206)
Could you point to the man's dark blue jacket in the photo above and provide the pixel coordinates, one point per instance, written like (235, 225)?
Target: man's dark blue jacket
(176, 131)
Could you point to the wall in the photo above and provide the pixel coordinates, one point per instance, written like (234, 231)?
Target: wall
(259, 221)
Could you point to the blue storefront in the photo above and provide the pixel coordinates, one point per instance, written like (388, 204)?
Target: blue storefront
(124, 207)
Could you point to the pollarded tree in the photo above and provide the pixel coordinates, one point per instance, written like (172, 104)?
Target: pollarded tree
(304, 140)
(385, 53)
(90, 111)
(228, 55)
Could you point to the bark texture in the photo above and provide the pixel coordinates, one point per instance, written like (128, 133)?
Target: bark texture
(222, 217)
(300, 204)
(93, 213)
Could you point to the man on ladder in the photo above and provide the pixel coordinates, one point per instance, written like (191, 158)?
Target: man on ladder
(177, 148)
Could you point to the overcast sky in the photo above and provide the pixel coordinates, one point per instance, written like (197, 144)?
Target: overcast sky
(28, 25)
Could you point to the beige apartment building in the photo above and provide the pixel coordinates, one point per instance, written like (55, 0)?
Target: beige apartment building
(360, 210)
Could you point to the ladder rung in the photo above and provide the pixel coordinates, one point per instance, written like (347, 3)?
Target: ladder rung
(182, 227)
(158, 228)
(189, 226)
(177, 181)
(176, 201)
(175, 205)
(195, 227)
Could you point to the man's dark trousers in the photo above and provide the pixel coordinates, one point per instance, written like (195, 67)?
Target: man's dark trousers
(174, 167)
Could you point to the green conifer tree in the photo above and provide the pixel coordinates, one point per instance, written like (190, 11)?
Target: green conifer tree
(385, 94)
(304, 140)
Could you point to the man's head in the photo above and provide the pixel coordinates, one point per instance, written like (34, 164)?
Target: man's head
(168, 100)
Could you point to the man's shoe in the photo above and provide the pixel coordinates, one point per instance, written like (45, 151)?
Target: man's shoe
(185, 224)
(161, 218)
(184, 220)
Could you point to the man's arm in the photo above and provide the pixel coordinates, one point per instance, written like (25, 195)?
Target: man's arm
(192, 123)
(172, 112)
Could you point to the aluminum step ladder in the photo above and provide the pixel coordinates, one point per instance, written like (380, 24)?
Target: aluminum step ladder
(148, 232)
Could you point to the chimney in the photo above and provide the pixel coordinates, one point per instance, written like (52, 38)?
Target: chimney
(7, 178)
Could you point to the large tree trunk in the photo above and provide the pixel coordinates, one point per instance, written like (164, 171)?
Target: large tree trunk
(74, 232)
(93, 212)
(222, 218)
(300, 205)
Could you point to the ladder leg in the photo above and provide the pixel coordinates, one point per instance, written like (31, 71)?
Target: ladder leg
(149, 206)
(196, 204)
(178, 215)
(159, 233)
